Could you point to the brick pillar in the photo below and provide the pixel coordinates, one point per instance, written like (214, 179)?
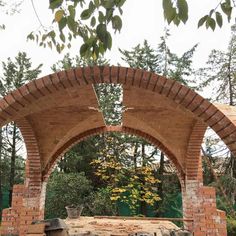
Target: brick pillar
(28, 199)
(24, 210)
(199, 204)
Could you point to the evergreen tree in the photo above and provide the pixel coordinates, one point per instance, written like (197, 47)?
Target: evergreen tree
(15, 74)
(161, 60)
(221, 71)
(220, 76)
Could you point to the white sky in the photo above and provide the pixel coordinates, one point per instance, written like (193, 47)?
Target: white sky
(141, 20)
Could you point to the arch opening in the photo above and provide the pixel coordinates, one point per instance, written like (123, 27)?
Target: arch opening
(129, 154)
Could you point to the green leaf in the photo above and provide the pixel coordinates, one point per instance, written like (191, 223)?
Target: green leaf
(62, 37)
(85, 14)
(58, 47)
(121, 3)
(71, 24)
(62, 23)
(101, 31)
(101, 17)
(93, 21)
(210, 22)
(116, 23)
(108, 41)
(71, 10)
(52, 34)
(182, 10)
(91, 6)
(55, 4)
(109, 14)
(219, 19)
(108, 4)
(227, 9)
(58, 15)
(30, 36)
(97, 3)
(202, 21)
(176, 20)
(83, 49)
(120, 10)
(169, 10)
(211, 12)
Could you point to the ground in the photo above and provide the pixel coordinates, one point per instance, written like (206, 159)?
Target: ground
(116, 227)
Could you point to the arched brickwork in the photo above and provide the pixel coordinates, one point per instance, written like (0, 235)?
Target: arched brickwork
(33, 172)
(160, 105)
(193, 156)
(76, 139)
(18, 103)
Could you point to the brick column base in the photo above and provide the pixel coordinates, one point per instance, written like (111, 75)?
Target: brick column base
(199, 204)
(15, 220)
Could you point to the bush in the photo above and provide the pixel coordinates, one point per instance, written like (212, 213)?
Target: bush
(101, 203)
(231, 226)
(66, 189)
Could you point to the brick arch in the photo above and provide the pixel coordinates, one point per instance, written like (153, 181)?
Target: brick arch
(33, 174)
(38, 98)
(19, 102)
(104, 129)
(193, 156)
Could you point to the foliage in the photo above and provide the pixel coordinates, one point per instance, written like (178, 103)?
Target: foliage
(70, 189)
(220, 70)
(101, 203)
(69, 62)
(161, 60)
(131, 181)
(94, 20)
(110, 102)
(15, 74)
(177, 11)
(231, 226)
(171, 204)
(88, 20)
(220, 74)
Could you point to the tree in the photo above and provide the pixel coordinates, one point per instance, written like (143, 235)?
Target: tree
(164, 62)
(73, 189)
(127, 171)
(161, 60)
(221, 70)
(15, 74)
(93, 20)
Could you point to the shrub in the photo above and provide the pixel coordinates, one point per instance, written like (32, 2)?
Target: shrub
(231, 226)
(66, 189)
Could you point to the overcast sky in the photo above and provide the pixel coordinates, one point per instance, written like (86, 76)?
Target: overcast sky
(142, 19)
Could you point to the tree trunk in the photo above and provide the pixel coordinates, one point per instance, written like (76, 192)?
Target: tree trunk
(160, 174)
(143, 205)
(231, 103)
(13, 162)
(135, 156)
